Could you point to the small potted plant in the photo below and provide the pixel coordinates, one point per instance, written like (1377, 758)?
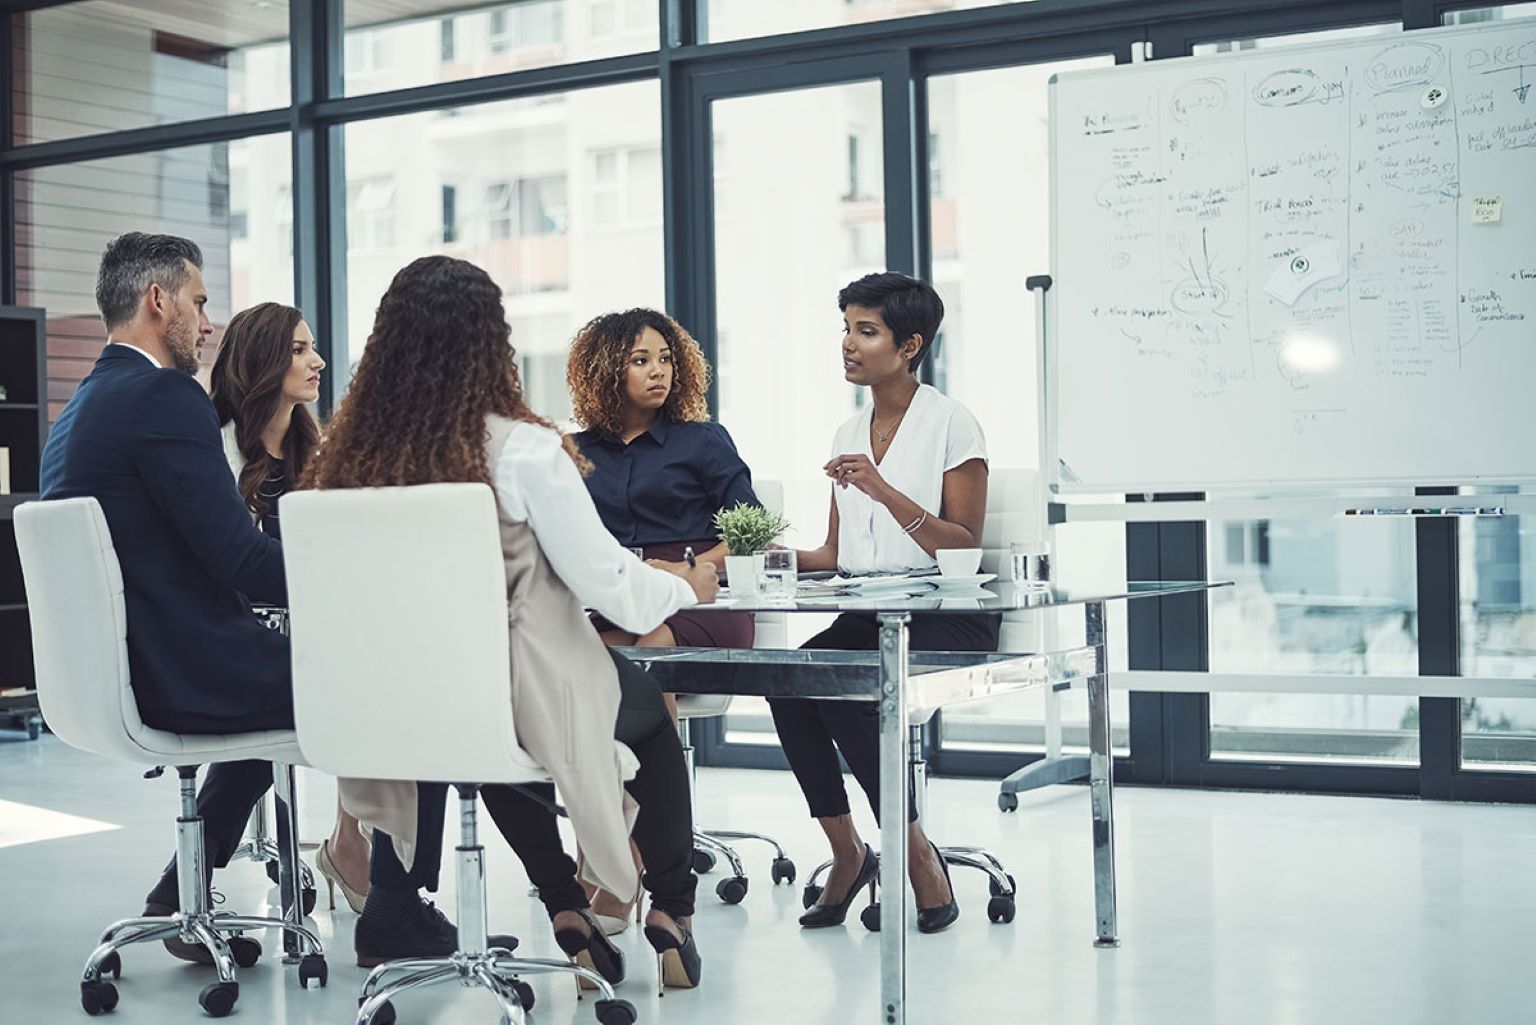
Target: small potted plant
(748, 530)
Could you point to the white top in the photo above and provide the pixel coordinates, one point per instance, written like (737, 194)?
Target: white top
(140, 351)
(537, 483)
(936, 435)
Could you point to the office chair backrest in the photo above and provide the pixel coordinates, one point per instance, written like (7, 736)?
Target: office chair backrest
(79, 626)
(398, 617)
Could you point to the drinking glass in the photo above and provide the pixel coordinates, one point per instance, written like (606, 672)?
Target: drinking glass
(1031, 564)
(778, 576)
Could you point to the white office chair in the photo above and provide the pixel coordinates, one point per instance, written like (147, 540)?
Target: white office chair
(711, 844)
(1012, 498)
(79, 642)
(398, 603)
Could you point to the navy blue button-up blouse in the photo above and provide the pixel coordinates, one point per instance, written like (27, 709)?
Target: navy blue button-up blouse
(667, 484)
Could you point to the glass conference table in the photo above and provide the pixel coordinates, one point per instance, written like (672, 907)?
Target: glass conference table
(909, 687)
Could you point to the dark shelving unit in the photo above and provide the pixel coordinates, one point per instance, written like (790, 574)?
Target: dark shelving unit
(23, 428)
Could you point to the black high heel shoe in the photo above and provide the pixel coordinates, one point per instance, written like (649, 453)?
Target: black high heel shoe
(678, 963)
(592, 950)
(942, 917)
(822, 915)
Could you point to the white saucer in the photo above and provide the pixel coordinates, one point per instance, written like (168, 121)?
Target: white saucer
(974, 580)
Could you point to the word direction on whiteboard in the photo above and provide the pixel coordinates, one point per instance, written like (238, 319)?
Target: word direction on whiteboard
(1487, 209)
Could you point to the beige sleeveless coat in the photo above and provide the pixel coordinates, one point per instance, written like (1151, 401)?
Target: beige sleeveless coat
(565, 699)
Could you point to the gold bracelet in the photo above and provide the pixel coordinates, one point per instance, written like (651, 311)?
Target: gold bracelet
(909, 528)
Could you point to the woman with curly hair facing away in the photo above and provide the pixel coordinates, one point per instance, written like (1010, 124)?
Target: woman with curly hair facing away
(661, 468)
(437, 398)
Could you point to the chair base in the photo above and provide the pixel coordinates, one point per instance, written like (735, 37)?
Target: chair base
(259, 846)
(710, 845)
(495, 970)
(1001, 908)
(480, 966)
(220, 933)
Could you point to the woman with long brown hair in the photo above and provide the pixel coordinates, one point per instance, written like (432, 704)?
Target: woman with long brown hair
(437, 398)
(266, 373)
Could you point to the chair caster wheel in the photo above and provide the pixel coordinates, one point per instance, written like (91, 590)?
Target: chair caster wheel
(732, 890)
(998, 891)
(313, 966)
(218, 998)
(307, 900)
(385, 1015)
(1001, 909)
(524, 994)
(35, 730)
(245, 950)
(870, 917)
(783, 871)
(810, 895)
(616, 1012)
(703, 861)
(98, 997)
(1007, 801)
(111, 963)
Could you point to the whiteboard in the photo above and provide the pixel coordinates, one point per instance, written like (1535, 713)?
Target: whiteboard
(1304, 265)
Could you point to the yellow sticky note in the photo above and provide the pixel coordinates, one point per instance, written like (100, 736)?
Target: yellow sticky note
(1487, 209)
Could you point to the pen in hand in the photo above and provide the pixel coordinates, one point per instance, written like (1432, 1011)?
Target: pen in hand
(688, 557)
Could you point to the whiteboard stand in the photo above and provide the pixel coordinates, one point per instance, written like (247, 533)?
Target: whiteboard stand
(1053, 768)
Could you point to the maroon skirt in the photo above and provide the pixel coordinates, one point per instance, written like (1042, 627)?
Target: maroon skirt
(696, 629)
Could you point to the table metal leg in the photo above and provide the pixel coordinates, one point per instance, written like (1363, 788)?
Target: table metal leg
(1101, 783)
(289, 879)
(893, 818)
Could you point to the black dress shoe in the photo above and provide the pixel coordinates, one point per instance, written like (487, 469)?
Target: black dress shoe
(942, 917)
(822, 915)
(195, 953)
(678, 963)
(593, 950)
(424, 931)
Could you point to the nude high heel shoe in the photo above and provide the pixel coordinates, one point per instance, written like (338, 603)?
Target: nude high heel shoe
(333, 879)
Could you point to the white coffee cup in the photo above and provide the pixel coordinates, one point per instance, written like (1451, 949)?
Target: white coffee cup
(959, 562)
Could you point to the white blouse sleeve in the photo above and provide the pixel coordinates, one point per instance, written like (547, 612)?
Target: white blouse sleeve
(964, 440)
(537, 482)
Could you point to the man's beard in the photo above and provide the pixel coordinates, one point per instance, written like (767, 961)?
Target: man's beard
(181, 342)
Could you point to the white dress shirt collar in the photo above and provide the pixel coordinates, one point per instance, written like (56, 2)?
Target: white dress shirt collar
(141, 352)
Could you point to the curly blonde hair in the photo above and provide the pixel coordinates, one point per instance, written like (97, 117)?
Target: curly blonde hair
(599, 362)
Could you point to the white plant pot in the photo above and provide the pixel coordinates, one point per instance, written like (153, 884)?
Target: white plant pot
(741, 573)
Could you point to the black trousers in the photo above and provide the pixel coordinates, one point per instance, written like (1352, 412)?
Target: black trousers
(224, 802)
(663, 830)
(385, 869)
(813, 732)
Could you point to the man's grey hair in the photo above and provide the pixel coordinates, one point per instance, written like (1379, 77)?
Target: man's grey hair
(132, 263)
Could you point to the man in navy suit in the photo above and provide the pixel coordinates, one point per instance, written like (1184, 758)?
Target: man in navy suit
(140, 436)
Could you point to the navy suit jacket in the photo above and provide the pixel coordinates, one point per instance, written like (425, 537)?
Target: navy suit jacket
(145, 443)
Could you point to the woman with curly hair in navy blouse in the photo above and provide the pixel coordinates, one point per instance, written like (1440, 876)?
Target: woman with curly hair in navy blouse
(661, 468)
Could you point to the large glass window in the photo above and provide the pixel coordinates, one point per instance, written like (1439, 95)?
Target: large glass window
(401, 44)
(218, 195)
(1335, 597)
(778, 327)
(1473, 15)
(989, 194)
(104, 66)
(1498, 638)
(1292, 38)
(741, 19)
(526, 189)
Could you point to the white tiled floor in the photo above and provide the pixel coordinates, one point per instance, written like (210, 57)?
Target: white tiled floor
(1234, 908)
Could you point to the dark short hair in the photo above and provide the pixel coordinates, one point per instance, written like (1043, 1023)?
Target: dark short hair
(907, 305)
(133, 262)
